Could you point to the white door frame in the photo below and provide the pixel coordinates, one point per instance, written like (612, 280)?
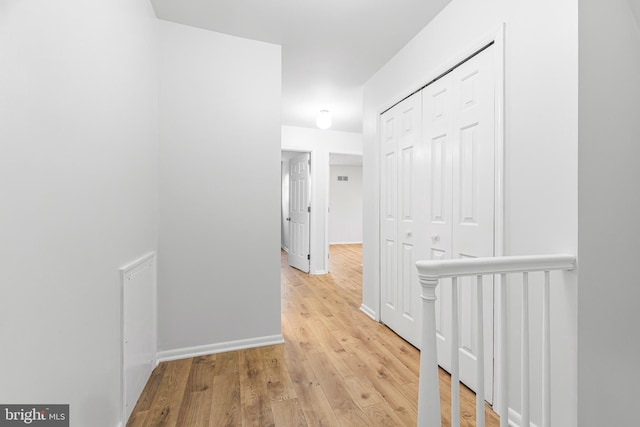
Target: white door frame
(497, 37)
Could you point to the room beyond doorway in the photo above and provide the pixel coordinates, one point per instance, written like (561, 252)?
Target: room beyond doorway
(338, 206)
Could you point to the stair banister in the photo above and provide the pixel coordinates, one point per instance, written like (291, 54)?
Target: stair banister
(430, 272)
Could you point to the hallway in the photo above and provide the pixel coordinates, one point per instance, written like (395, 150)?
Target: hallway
(336, 368)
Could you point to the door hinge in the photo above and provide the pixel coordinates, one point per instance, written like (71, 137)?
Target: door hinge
(309, 257)
(308, 208)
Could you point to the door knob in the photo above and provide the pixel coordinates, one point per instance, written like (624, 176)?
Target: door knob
(288, 219)
(435, 238)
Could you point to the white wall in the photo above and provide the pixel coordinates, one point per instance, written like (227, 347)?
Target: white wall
(78, 184)
(219, 261)
(609, 182)
(320, 143)
(345, 201)
(540, 153)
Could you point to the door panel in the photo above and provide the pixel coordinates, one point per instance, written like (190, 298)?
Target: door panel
(389, 223)
(438, 107)
(299, 189)
(459, 132)
(473, 207)
(401, 151)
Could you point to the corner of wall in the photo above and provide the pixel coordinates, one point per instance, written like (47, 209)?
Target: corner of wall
(369, 312)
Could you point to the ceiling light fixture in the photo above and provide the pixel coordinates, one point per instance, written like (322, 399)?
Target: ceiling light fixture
(324, 119)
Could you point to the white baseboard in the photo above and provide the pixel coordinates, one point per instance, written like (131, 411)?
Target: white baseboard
(515, 419)
(366, 310)
(345, 243)
(202, 350)
(120, 424)
(318, 272)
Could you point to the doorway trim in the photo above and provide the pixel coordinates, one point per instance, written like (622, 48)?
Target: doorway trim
(497, 37)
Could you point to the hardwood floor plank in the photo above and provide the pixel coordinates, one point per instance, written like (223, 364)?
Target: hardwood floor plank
(138, 419)
(362, 392)
(406, 409)
(382, 414)
(256, 406)
(288, 413)
(227, 363)
(315, 406)
(279, 384)
(332, 383)
(225, 404)
(168, 401)
(324, 337)
(150, 389)
(196, 404)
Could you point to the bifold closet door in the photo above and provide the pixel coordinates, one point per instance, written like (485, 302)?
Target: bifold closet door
(401, 223)
(459, 135)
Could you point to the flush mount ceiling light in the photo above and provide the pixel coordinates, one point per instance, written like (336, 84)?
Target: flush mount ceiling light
(324, 119)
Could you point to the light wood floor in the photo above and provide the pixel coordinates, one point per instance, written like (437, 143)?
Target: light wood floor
(336, 368)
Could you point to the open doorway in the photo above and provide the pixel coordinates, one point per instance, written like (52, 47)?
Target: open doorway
(345, 204)
(321, 158)
(345, 199)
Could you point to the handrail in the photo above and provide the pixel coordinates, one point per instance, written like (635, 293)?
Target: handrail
(439, 269)
(430, 272)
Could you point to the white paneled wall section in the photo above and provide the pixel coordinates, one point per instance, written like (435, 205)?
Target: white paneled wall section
(139, 328)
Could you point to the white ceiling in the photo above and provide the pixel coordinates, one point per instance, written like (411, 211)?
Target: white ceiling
(330, 48)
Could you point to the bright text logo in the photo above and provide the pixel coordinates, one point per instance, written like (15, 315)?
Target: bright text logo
(34, 415)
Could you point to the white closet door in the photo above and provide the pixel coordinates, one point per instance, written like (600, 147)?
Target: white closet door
(400, 225)
(459, 131)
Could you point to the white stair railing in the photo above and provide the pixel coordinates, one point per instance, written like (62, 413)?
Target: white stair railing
(430, 273)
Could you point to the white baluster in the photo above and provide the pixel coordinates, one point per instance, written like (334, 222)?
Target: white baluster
(504, 363)
(480, 357)
(455, 356)
(429, 385)
(546, 353)
(526, 419)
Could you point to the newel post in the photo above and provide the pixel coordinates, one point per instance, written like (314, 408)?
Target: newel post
(429, 385)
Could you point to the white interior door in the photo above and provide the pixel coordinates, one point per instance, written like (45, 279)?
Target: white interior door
(401, 224)
(299, 212)
(459, 129)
